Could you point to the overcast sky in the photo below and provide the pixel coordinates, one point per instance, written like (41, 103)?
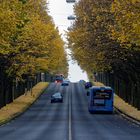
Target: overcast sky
(60, 10)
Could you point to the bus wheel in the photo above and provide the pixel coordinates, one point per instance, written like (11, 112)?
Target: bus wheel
(90, 112)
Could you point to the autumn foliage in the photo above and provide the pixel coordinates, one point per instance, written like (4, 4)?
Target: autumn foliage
(29, 41)
(105, 37)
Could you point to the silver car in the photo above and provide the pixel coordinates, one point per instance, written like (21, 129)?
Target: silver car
(57, 97)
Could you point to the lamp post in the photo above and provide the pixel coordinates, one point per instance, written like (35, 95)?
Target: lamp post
(70, 1)
(111, 78)
(71, 17)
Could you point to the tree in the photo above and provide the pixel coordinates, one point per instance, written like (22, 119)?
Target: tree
(127, 18)
(102, 34)
(28, 37)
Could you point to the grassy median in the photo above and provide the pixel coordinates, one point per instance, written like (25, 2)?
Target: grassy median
(20, 104)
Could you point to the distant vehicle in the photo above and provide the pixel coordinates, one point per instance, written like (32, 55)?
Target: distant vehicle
(88, 91)
(71, 17)
(88, 85)
(70, 1)
(100, 99)
(82, 81)
(59, 78)
(57, 97)
(65, 82)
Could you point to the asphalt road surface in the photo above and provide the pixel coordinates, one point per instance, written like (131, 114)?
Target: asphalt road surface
(69, 120)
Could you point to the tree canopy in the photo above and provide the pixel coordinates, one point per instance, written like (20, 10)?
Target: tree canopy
(29, 40)
(105, 36)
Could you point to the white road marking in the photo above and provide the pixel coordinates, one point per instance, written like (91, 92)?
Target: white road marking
(70, 133)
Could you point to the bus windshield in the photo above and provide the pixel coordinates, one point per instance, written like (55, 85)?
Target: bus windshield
(99, 94)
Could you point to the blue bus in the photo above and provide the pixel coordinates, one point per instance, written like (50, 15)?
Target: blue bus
(100, 99)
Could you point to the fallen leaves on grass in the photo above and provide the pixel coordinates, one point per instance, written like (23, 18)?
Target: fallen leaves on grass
(21, 103)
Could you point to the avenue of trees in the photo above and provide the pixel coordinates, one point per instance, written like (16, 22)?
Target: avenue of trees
(29, 41)
(105, 38)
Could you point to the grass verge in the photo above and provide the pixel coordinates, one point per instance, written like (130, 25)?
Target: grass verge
(22, 103)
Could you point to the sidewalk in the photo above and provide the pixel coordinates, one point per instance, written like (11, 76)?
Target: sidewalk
(21, 104)
(124, 107)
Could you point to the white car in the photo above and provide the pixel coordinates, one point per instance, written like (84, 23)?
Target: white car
(57, 97)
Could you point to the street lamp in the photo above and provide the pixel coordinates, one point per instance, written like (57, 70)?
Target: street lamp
(70, 1)
(71, 17)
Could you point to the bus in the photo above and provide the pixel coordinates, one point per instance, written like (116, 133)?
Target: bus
(100, 99)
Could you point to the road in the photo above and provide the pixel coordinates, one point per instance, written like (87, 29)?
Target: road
(69, 120)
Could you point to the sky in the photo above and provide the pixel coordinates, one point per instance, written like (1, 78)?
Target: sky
(60, 10)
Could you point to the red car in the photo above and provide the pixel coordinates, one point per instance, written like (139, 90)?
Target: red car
(59, 78)
(58, 81)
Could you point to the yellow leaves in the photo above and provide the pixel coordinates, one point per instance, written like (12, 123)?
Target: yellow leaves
(106, 35)
(7, 24)
(43, 63)
(28, 38)
(127, 19)
(7, 30)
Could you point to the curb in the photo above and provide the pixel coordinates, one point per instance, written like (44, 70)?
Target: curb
(12, 117)
(126, 116)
